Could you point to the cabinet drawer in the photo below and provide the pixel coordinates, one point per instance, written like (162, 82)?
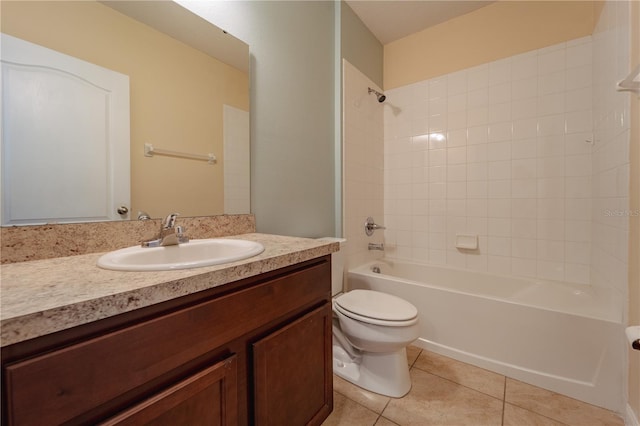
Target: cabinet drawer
(209, 397)
(59, 386)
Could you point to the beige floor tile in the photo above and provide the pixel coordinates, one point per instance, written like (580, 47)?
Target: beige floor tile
(385, 422)
(436, 401)
(371, 400)
(459, 372)
(349, 413)
(412, 354)
(558, 407)
(515, 416)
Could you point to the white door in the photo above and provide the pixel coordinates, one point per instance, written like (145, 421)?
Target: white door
(65, 137)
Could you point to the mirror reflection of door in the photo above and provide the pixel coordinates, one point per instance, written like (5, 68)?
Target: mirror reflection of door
(61, 111)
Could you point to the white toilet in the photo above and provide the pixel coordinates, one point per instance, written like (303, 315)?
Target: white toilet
(370, 333)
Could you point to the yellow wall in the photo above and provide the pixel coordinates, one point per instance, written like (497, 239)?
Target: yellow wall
(634, 232)
(500, 30)
(169, 110)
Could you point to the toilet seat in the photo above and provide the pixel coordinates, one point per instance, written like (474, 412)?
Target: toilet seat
(377, 308)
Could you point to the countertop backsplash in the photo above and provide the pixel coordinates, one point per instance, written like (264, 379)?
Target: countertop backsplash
(24, 243)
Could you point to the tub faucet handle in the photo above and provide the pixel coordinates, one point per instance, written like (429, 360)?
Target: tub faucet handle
(370, 226)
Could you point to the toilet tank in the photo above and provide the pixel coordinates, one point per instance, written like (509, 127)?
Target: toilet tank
(337, 264)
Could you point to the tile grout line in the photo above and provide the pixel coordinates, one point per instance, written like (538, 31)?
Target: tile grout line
(504, 398)
(460, 384)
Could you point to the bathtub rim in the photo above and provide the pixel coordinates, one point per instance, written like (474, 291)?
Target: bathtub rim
(606, 313)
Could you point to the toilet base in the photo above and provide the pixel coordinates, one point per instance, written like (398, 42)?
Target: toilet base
(383, 373)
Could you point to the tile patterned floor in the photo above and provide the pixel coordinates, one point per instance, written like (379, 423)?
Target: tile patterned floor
(449, 392)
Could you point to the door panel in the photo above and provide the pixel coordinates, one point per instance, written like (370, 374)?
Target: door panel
(65, 137)
(293, 372)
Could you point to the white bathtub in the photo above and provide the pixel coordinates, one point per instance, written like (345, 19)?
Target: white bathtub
(562, 337)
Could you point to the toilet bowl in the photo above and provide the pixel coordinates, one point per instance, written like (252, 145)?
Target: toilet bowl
(371, 331)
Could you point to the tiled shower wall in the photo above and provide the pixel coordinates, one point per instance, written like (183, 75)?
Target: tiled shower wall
(529, 152)
(610, 159)
(503, 151)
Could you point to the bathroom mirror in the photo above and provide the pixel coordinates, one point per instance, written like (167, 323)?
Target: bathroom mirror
(189, 93)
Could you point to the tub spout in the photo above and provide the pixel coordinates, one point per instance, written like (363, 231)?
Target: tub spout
(374, 246)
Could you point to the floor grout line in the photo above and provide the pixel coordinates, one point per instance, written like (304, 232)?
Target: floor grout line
(460, 384)
(504, 398)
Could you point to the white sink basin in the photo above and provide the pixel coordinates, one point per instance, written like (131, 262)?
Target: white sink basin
(194, 254)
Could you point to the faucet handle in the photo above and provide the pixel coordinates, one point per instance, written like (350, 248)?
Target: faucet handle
(370, 226)
(170, 221)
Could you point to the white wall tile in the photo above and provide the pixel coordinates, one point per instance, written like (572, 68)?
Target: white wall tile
(478, 77)
(499, 227)
(551, 83)
(524, 168)
(524, 208)
(457, 83)
(477, 116)
(551, 250)
(578, 99)
(524, 248)
(515, 166)
(523, 267)
(500, 132)
(551, 125)
(524, 66)
(524, 188)
(525, 128)
(500, 188)
(499, 208)
(437, 88)
(477, 171)
(550, 270)
(579, 55)
(500, 265)
(477, 135)
(579, 77)
(524, 149)
(550, 62)
(498, 151)
(524, 108)
(524, 228)
(578, 121)
(499, 170)
(500, 72)
(499, 113)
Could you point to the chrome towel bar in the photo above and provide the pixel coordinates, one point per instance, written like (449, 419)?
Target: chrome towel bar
(150, 151)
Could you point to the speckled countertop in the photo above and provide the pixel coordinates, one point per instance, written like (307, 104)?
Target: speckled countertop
(45, 296)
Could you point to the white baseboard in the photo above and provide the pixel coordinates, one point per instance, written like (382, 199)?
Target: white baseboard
(631, 419)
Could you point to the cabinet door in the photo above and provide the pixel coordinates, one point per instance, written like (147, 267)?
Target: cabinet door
(293, 372)
(208, 397)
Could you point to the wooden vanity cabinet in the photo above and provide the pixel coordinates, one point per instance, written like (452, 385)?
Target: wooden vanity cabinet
(257, 351)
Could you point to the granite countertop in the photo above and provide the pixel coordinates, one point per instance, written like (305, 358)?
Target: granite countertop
(45, 296)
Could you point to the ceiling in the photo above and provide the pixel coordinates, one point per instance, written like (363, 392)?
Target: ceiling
(390, 20)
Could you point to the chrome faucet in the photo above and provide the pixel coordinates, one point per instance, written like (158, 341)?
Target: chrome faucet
(374, 246)
(370, 226)
(169, 235)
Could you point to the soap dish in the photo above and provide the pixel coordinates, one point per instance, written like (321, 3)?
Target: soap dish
(467, 241)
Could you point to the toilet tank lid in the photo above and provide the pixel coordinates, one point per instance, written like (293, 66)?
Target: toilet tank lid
(377, 305)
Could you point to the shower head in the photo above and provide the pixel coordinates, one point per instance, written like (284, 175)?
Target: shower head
(379, 95)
